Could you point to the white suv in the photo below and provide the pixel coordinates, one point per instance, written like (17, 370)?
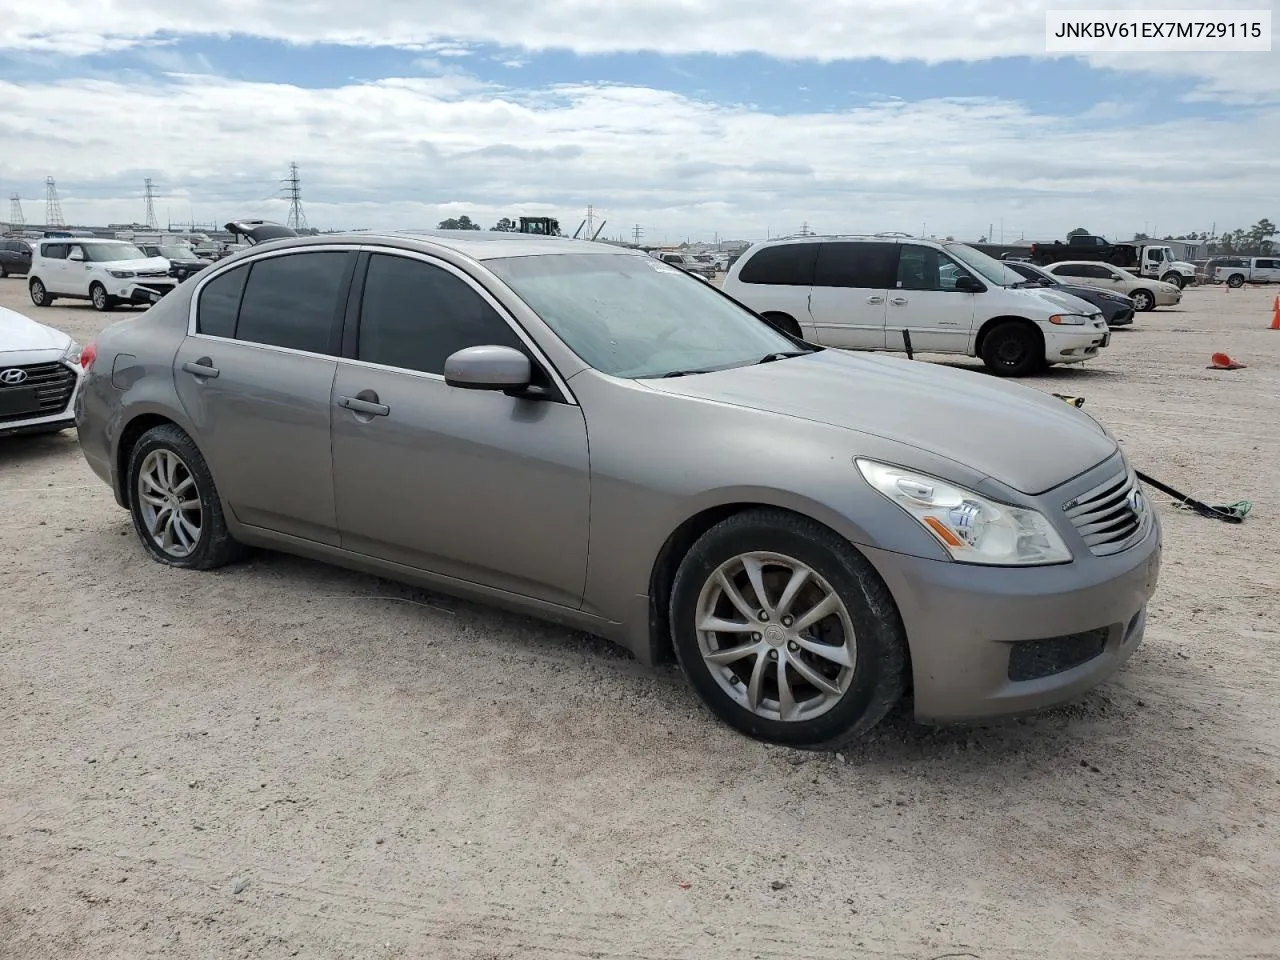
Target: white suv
(890, 292)
(106, 272)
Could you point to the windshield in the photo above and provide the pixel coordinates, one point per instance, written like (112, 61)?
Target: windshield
(1033, 273)
(988, 267)
(175, 253)
(108, 252)
(633, 316)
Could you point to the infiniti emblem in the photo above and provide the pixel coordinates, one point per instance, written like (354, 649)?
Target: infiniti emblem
(1134, 500)
(12, 376)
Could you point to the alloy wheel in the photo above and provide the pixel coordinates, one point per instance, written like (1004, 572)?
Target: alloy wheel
(776, 636)
(170, 503)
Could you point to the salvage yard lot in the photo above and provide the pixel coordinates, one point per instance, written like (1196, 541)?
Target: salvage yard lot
(284, 759)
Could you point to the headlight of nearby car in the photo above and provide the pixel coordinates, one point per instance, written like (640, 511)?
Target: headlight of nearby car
(121, 274)
(1070, 319)
(972, 528)
(72, 353)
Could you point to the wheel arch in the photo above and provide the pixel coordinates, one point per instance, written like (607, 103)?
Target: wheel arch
(994, 322)
(659, 647)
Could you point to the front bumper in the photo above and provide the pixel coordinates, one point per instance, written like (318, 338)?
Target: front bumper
(146, 290)
(964, 622)
(1066, 345)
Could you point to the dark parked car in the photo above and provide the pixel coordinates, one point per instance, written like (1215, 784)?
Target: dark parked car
(15, 257)
(182, 260)
(1117, 309)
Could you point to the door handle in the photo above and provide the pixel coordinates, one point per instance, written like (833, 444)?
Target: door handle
(202, 368)
(875, 299)
(898, 300)
(369, 407)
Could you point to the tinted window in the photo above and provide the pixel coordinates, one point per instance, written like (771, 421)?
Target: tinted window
(1072, 270)
(1267, 264)
(924, 268)
(865, 265)
(55, 251)
(415, 315)
(291, 301)
(220, 302)
(788, 264)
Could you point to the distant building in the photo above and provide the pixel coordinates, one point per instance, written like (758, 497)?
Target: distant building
(1187, 249)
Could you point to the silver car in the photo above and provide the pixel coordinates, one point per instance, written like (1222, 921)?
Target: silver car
(588, 435)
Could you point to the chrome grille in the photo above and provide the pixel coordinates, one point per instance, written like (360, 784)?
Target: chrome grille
(53, 384)
(1112, 516)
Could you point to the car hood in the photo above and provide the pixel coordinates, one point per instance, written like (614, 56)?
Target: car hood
(159, 264)
(1018, 436)
(22, 333)
(1061, 300)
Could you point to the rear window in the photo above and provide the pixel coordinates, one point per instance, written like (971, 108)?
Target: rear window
(788, 264)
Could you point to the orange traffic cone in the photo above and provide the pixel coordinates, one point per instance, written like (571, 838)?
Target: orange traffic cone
(1220, 361)
(1275, 315)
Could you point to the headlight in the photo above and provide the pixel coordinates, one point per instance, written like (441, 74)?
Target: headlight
(1069, 319)
(121, 274)
(972, 528)
(72, 353)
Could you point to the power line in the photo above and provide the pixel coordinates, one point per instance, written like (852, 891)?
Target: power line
(16, 219)
(52, 205)
(297, 220)
(150, 220)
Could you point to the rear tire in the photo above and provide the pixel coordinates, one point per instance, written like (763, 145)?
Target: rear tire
(784, 322)
(39, 295)
(1173, 279)
(856, 652)
(168, 478)
(1143, 300)
(102, 302)
(1013, 349)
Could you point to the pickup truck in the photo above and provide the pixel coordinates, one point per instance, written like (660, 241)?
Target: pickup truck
(1237, 271)
(1153, 260)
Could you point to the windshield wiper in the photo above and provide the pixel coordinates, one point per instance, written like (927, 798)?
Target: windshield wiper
(682, 373)
(783, 355)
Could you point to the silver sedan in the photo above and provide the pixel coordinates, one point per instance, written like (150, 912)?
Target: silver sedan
(588, 435)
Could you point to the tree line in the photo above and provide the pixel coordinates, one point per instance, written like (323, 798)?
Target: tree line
(505, 225)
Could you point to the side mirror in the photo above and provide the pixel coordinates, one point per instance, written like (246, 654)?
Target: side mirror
(76, 256)
(968, 284)
(488, 368)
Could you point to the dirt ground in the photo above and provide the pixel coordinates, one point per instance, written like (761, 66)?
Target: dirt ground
(281, 759)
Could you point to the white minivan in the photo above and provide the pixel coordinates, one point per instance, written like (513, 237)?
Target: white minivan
(887, 292)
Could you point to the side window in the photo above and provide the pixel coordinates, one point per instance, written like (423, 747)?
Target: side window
(415, 315)
(220, 303)
(292, 301)
(55, 251)
(867, 266)
(1071, 270)
(924, 268)
(788, 264)
(1268, 264)
(1100, 272)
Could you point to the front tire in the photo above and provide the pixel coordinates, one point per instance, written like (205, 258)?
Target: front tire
(786, 632)
(1143, 300)
(39, 295)
(1013, 349)
(102, 302)
(176, 510)
(1235, 281)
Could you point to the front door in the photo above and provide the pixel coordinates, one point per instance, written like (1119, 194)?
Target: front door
(926, 303)
(469, 484)
(76, 277)
(850, 288)
(255, 382)
(1266, 271)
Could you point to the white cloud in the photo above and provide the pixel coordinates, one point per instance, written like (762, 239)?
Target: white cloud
(408, 152)
(927, 30)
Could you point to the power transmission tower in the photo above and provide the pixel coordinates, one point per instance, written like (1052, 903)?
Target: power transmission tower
(636, 233)
(150, 220)
(297, 219)
(591, 220)
(52, 205)
(16, 219)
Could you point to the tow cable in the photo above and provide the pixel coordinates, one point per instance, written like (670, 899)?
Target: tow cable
(1227, 513)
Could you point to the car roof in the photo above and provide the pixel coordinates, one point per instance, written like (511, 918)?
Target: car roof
(472, 244)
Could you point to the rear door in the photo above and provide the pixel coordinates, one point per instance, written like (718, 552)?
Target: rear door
(778, 280)
(926, 303)
(255, 378)
(53, 266)
(1266, 270)
(850, 288)
(470, 484)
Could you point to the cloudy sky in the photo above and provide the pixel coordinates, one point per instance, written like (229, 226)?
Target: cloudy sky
(690, 118)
